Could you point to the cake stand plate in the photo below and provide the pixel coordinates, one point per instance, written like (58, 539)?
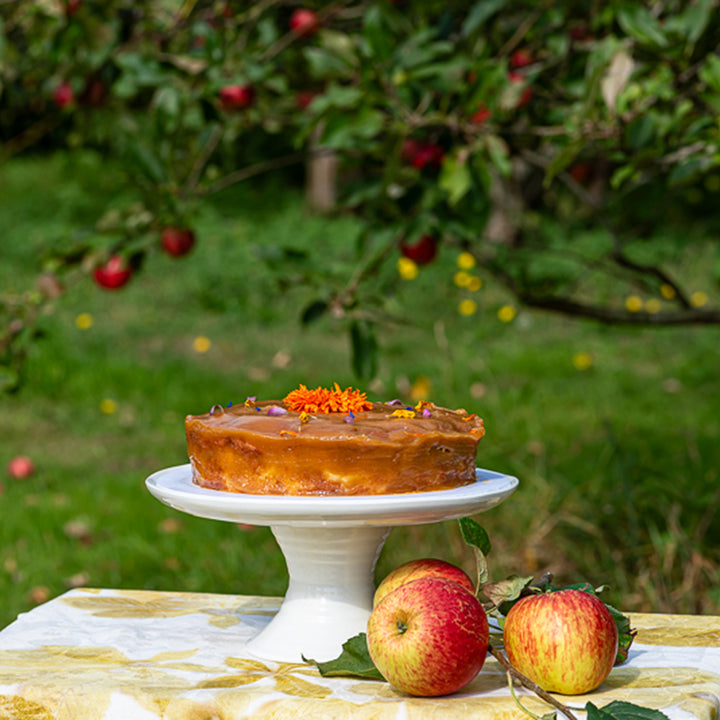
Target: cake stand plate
(330, 544)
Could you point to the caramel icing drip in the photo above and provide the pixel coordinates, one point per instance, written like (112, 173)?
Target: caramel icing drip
(263, 448)
(381, 423)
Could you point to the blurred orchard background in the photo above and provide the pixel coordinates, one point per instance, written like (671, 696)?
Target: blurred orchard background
(505, 206)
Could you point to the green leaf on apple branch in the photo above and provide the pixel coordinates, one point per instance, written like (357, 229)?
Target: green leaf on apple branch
(506, 590)
(353, 661)
(626, 634)
(622, 710)
(476, 536)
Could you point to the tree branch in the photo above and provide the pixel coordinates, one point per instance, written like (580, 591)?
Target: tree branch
(616, 316)
(529, 684)
(259, 168)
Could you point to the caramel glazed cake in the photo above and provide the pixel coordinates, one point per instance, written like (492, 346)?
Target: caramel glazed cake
(332, 442)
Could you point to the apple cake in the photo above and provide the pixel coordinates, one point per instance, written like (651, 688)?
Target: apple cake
(332, 442)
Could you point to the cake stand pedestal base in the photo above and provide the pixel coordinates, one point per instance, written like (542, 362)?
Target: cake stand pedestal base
(330, 544)
(329, 596)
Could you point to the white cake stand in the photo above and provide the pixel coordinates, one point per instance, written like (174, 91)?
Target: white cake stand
(330, 544)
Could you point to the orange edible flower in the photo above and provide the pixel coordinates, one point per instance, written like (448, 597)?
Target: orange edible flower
(322, 400)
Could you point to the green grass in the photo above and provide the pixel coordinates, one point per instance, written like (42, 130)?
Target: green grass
(618, 463)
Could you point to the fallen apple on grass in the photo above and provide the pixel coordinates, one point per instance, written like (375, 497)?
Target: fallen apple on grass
(416, 569)
(428, 637)
(20, 467)
(564, 641)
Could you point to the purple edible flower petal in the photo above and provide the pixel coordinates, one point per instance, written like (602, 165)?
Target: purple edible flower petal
(394, 402)
(426, 413)
(349, 418)
(276, 410)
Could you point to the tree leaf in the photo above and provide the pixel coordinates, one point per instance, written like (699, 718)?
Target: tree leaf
(455, 178)
(626, 634)
(639, 23)
(506, 591)
(364, 349)
(479, 13)
(353, 661)
(313, 311)
(475, 535)
(616, 78)
(623, 710)
(9, 379)
(595, 713)
(499, 154)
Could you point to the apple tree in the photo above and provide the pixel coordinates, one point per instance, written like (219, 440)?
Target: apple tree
(565, 150)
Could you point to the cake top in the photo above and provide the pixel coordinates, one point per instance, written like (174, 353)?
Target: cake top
(336, 413)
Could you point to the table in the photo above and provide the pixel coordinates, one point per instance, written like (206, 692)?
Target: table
(93, 654)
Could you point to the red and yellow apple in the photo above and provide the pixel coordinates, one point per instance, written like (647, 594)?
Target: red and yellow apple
(428, 637)
(416, 569)
(564, 641)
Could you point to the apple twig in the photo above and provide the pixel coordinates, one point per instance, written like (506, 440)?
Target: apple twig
(517, 699)
(529, 684)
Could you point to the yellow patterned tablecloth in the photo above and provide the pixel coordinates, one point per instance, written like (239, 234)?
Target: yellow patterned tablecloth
(140, 655)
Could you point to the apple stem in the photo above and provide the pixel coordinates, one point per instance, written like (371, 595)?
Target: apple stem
(529, 684)
(517, 700)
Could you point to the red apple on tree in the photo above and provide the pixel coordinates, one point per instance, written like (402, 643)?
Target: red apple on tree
(428, 637)
(521, 58)
(482, 114)
(63, 94)
(304, 21)
(236, 96)
(421, 154)
(114, 273)
(20, 467)
(177, 241)
(564, 641)
(72, 6)
(416, 569)
(422, 251)
(581, 172)
(525, 93)
(95, 93)
(304, 98)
